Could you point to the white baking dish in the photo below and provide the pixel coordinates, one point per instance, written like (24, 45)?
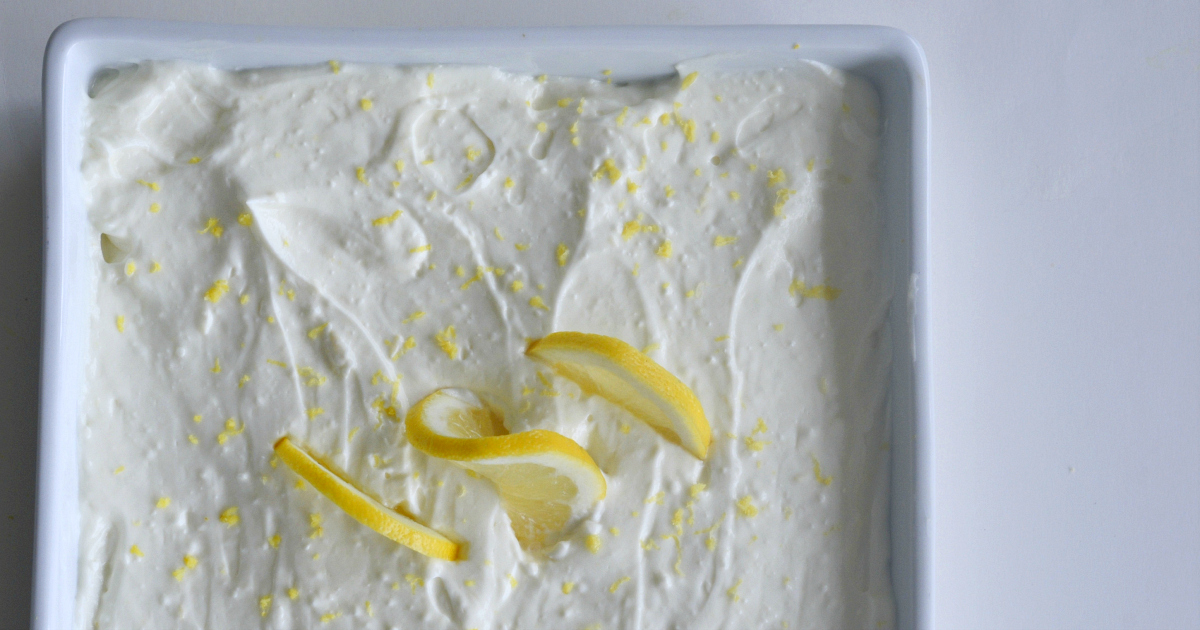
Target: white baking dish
(888, 58)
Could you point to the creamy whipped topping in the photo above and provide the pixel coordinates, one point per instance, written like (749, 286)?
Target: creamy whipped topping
(309, 251)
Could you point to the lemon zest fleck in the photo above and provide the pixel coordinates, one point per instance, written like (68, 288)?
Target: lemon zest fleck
(230, 516)
(746, 507)
(213, 226)
(387, 219)
(445, 341)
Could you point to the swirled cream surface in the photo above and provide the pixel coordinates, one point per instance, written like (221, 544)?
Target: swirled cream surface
(309, 251)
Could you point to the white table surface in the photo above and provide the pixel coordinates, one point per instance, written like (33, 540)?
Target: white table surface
(1066, 282)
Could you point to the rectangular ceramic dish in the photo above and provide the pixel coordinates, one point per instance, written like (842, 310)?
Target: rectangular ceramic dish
(888, 58)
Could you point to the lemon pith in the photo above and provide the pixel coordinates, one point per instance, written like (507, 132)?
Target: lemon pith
(619, 373)
(363, 508)
(544, 479)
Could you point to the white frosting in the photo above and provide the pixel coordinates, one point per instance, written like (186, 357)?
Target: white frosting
(321, 299)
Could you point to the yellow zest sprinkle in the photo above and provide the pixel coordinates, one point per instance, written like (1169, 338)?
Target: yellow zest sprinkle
(746, 507)
(593, 543)
(753, 167)
(327, 617)
(245, 379)
(313, 412)
(722, 241)
(636, 268)
(445, 341)
(689, 129)
(424, 248)
(665, 119)
(136, 551)
(190, 561)
(244, 299)
(776, 178)
(230, 516)
(512, 581)
(469, 583)
(567, 587)
(624, 427)
(738, 263)
(664, 145)
(264, 604)
(721, 338)
(335, 66)
(429, 79)
(509, 183)
(155, 207)
(715, 137)
(311, 377)
(811, 163)
(272, 362)
(195, 159)
(178, 574)
(193, 439)
(496, 231)
(778, 327)
(781, 198)
(432, 195)
(824, 481)
(616, 585)
(631, 186)
(563, 102)
(516, 286)
(130, 268)
(732, 592)
(574, 128)
(608, 169)
(536, 302)
(631, 229)
(314, 523)
(541, 78)
(542, 127)
(312, 334)
(650, 348)
(151, 185)
(761, 427)
(274, 542)
(735, 195)
(561, 254)
(688, 80)
(820, 291)
(231, 429)
(366, 104)
(473, 153)
(399, 164)
(755, 445)
(216, 368)
(664, 250)
(696, 489)
(120, 323)
(621, 117)
(388, 219)
(657, 499)
(213, 227)
(473, 279)
(575, 141)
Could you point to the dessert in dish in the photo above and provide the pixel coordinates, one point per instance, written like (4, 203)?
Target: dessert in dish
(310, 253)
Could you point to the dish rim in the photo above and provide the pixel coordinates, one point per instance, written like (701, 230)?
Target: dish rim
(78, 48)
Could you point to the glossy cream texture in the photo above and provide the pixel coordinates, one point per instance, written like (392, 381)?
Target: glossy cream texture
(309, 251)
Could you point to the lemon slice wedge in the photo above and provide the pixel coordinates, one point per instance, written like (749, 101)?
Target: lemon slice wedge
(617, 372)
(363, 508)
(545, 480)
